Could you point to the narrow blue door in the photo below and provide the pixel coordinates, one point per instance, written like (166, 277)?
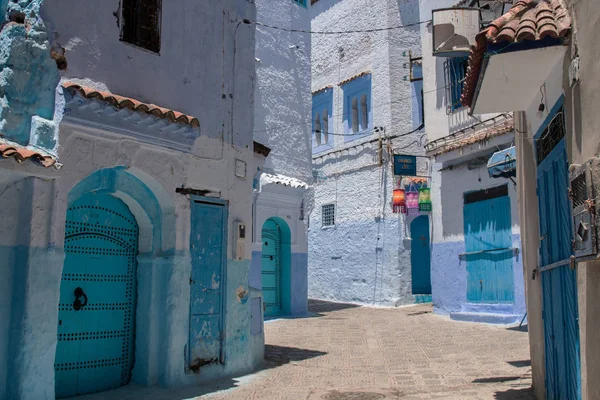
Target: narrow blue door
(271, 268)
(96, 314)
(559, 285)
(208, 249)
(420, 256)
(488, 245)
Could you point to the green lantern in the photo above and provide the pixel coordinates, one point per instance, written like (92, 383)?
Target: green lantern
(425, 199)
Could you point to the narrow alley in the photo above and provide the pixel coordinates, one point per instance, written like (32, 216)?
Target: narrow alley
(347, 352)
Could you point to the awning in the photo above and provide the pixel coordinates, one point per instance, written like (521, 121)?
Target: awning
(503, 164)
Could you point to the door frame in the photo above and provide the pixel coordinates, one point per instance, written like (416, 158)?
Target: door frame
(225, 204)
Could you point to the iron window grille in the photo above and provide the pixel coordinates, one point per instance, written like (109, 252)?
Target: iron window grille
(551, 136)
(141, 23)
(328, 215)
(455, 70)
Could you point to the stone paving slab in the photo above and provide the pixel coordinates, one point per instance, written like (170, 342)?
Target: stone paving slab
(346, 352)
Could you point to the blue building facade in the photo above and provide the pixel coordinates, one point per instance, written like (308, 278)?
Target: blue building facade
(123, 261)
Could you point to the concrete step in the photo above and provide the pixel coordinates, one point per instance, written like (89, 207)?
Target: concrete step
(487, 318)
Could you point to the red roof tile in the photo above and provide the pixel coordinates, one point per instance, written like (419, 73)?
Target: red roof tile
(21, 153)
(484, 134)
(526, 20)
(132, 104)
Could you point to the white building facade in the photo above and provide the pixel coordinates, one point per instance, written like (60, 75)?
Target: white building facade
(282, 122)
(120, 260)
(365, 109)
(476, 262)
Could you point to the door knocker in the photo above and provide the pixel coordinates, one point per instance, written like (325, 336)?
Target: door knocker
(77, 304)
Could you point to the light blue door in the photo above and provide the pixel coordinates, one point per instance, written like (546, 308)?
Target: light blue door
(208, 250)
(96, 317)
(420, 256)
(559, 285)
(271, 268)
(488, 245)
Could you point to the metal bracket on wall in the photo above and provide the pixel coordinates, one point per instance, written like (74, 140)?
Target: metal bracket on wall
(463, 256)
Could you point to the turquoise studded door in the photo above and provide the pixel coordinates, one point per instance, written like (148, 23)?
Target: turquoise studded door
(96, 317)
(271, 268)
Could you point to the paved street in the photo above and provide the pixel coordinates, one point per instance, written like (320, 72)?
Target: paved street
(348, 352)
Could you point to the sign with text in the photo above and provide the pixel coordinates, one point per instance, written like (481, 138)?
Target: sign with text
(405, 165)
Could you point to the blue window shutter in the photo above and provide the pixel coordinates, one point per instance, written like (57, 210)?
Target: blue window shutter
(358, 89)
(322, 102)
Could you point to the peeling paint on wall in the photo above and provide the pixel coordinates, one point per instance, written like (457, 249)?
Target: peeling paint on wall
(28, 77)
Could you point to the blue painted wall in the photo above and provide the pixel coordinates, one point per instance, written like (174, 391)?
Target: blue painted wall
(29, 77)
(449, 283)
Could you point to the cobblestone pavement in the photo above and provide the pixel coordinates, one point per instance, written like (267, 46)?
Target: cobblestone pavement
(345, 352)
(348, 352)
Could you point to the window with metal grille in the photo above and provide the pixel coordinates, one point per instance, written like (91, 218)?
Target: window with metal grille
(328, 215)
(551, 136)
(141, 23)
(455, 70)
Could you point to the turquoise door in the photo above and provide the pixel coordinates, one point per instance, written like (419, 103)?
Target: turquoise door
(96, 317)
(420, 256)
(271, 267)
(559, 284)
(488, 245)
(208, 249)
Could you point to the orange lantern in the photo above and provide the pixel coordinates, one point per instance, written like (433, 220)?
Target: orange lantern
(399, 201)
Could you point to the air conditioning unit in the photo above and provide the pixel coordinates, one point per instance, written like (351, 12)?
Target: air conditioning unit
(454, 31)
(583, 190)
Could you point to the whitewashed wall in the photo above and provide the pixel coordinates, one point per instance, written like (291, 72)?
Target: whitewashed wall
(361, 259)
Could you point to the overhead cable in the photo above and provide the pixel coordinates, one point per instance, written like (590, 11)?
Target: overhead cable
(389, 28)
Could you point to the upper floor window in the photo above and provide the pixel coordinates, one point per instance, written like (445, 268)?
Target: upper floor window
(358, 117)
(455, 70)
(322, 123)
(418, 106)
(300, 2)
(141, 23)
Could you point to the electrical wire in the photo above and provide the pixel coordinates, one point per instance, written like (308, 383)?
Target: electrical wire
(389, 28)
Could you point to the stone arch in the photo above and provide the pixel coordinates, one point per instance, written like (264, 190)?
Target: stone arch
(147, 199)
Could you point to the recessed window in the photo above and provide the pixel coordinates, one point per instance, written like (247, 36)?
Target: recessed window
(141, 23)
(358, 121)
(455, 70)
(328, 215)
(322, 105)
(300, 2)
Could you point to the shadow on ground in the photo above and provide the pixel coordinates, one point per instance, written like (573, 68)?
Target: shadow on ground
(318, 307)
(280, 355)
(515, 394)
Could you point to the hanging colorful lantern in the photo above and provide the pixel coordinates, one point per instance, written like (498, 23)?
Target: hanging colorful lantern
(399, 201)
(425, 199)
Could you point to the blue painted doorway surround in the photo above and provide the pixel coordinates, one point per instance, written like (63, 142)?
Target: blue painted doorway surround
(96, 314)
(559, 284)
(208, 247)
(420, 255)
(488, 244)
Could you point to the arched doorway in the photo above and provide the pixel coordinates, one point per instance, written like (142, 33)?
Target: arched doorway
(96, 326)
(276, 259)
(420, 256)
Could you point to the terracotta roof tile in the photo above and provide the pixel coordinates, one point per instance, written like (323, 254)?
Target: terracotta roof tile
(526, 20)
(22, 153)
(476, 137)
(132, 104)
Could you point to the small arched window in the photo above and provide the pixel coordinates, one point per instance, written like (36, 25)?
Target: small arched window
(318, 129)
(364, 113)
(325, 126)
(354, 116)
